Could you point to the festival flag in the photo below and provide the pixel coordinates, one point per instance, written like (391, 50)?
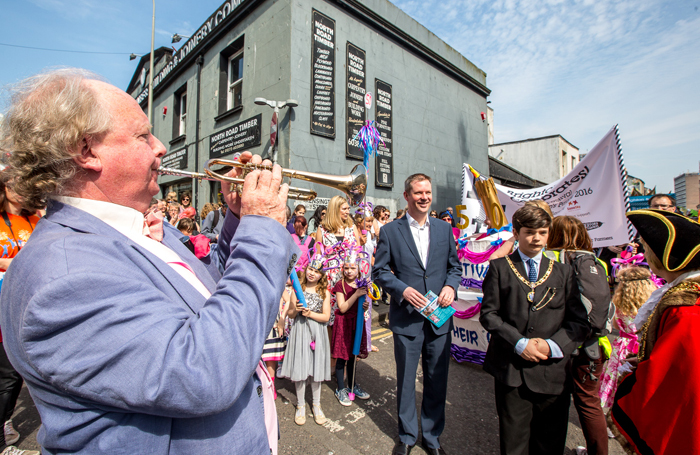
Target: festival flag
(595, 192)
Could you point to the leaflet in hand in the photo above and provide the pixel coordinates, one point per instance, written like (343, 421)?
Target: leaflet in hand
(435, 313)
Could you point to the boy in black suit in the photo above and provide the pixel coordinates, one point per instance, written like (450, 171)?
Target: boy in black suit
(533, 310)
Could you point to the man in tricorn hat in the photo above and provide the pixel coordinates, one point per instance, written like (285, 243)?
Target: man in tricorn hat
(656, 407)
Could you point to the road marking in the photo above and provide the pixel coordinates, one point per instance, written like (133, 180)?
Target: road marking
(380, 331)
(376, 338)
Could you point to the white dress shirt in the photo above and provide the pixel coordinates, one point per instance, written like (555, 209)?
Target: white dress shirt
(421, 237)
(130, 223)
(537, 259)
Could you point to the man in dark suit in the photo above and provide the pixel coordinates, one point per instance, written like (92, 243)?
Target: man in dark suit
(416, 254)
(533, 311)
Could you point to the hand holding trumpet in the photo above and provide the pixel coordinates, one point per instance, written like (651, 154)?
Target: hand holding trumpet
(263, 192)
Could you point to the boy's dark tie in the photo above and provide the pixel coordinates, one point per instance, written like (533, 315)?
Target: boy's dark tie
(532, 274)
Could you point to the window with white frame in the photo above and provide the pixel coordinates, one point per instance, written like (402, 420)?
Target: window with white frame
(230, 91)
(183, 113)
(180, 112)
(235, 80)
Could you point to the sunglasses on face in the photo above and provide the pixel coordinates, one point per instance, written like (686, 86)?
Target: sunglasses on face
(186, 199)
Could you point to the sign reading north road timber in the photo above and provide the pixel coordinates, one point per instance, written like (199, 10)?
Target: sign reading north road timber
(214, 21)
(175, 160)
(236, 138)
(384, 162)
(323, 75)
(355, 98)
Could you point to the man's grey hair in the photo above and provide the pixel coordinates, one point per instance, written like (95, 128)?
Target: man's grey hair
(49, 117)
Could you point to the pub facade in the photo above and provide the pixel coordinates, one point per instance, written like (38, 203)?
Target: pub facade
(329, 67)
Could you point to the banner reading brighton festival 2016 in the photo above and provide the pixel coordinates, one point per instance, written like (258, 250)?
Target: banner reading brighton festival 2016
(595, 192)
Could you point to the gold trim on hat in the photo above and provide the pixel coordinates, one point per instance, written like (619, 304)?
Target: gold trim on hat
(671, 238)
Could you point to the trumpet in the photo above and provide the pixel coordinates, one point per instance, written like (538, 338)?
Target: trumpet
(354, 185)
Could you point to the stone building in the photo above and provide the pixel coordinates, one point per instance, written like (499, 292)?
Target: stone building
(546, 159)
(328, 58)
(687, 189)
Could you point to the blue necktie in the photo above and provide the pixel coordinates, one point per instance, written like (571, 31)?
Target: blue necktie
(532, 274)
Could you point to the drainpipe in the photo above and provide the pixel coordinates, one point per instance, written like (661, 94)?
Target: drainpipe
(195, 192)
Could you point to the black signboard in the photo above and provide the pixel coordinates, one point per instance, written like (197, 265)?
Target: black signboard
(384, 169)
(322, 75)
(355, 99)
(176, 159)
(236, 138)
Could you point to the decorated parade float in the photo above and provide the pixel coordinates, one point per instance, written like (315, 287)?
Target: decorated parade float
(595, 192)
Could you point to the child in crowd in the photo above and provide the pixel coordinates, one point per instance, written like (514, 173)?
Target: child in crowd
(347, 294)
(198, 244)
(532, 308)
(634, 288)
(276, 342)
(308, 353)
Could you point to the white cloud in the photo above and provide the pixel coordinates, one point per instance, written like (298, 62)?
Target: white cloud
(576, 68)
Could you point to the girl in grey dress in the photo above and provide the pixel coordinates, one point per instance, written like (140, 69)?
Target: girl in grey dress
(307, 357)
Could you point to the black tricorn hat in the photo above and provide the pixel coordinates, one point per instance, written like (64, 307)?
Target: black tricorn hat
(673, 238)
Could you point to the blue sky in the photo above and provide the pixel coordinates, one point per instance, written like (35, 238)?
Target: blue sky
(573, 68)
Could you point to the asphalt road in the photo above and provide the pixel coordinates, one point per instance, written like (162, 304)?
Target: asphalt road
(369, 427)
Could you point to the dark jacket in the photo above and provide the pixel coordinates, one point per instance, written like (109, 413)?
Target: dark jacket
(508, 316)
(397, 265)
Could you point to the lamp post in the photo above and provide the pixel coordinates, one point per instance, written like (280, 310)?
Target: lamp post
(150, 73)
(276, 106)
(177, 37)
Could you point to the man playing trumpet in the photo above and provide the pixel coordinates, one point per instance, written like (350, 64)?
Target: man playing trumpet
(127, 343)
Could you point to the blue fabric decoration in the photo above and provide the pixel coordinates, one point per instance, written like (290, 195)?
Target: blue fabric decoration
(507, 227)
(369, 140)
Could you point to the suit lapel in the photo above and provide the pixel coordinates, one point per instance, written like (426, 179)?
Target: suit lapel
(174, 243)
(81, 221)
(433, 241)
(520, 267)
(405, 231)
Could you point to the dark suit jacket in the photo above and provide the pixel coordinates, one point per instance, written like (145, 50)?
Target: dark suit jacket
(397, 265)
(508, 316)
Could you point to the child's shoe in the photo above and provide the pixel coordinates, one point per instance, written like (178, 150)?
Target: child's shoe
(360, 393)
(342, 396)
(300, 415)
(319, 417)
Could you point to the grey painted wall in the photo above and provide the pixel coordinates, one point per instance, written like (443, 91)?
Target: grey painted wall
(437, 124)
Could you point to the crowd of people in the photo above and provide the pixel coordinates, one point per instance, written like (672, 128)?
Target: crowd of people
(139, 322)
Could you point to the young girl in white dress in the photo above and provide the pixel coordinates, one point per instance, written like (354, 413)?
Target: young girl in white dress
(307, 357)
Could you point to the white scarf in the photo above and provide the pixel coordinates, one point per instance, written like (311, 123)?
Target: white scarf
(655, 297)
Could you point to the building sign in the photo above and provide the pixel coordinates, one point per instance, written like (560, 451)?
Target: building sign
(355, 89)
(175, 160)
(323, 75)
(200, 36)
(384, 162)
(236, 138)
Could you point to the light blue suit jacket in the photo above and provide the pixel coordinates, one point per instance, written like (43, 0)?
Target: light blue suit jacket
(122, 355)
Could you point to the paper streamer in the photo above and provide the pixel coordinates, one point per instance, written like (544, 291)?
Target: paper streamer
(461, 354)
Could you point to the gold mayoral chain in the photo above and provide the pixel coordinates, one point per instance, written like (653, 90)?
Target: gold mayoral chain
(530, 284)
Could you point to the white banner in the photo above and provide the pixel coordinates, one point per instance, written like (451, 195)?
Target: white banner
(595, 192)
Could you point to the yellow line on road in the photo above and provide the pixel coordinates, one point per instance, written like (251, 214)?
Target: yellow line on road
(380, 331)
(381, 336)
